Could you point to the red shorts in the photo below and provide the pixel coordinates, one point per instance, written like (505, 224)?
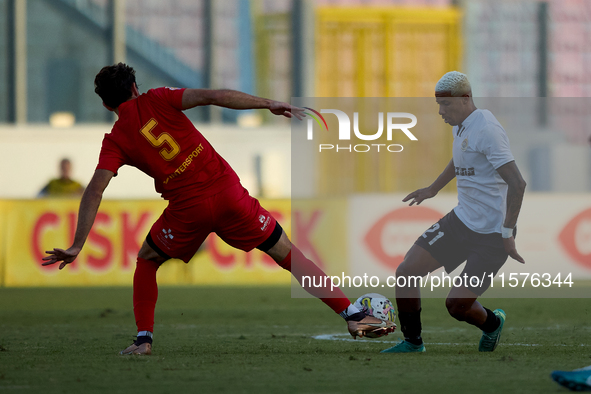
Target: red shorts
(235, 216)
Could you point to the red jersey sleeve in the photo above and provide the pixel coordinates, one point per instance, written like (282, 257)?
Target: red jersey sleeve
(111, 157)
(172, 96)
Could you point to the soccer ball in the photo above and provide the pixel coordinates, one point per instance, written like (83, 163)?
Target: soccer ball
(376, 305)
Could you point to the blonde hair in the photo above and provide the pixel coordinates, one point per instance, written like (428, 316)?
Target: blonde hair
(454, 83)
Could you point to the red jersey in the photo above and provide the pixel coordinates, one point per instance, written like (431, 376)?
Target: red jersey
(154, 135)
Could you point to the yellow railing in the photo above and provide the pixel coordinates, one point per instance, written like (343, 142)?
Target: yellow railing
(386, 52)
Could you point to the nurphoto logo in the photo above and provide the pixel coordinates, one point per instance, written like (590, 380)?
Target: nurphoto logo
(344, 133)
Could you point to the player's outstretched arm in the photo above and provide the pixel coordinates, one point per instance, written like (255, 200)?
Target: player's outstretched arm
(516, 189)
(234, 99)
(418, 196)
(91, 200)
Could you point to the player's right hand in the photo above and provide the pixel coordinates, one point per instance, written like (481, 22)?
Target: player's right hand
(287, 110)
(65, 256)
(418, 196)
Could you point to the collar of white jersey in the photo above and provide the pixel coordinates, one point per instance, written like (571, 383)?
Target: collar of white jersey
(469, 119)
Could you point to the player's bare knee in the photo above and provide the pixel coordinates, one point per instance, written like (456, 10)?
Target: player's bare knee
(410, 267)
(147, 253)
(279, 246)
(457, 308)
(403, 269)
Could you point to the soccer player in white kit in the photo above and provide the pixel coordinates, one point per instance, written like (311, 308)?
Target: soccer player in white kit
(479, 230)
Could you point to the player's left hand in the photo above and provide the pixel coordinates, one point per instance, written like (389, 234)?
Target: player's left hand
(287, 110)
(65, 256)
(509, 244)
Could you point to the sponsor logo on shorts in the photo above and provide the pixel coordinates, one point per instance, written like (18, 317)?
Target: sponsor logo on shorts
(167, 233)
(166, 237)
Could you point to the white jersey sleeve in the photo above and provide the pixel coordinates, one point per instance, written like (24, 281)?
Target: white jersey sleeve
(494, 144)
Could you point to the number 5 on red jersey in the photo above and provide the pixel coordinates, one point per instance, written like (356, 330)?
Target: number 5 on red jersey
(163, 138)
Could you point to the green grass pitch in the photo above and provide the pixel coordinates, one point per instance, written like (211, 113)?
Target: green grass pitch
(260, 340)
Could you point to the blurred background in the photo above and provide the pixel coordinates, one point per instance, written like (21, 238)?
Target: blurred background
(529, 61)
(52, 49)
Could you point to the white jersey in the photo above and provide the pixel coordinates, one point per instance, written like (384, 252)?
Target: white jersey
(480, 147)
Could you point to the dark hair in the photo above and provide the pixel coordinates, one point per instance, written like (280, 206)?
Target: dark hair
(113, 84)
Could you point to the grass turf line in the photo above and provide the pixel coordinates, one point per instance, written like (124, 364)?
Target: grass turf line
(242, 340)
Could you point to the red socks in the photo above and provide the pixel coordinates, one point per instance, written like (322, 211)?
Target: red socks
(145, 294)
(145, 289)
(302, 266)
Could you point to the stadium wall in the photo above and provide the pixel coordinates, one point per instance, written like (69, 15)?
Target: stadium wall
(553, 232)
(31, 155)
(361, 235)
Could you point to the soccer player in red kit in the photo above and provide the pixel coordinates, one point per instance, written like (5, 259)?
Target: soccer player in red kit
(203, 191)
